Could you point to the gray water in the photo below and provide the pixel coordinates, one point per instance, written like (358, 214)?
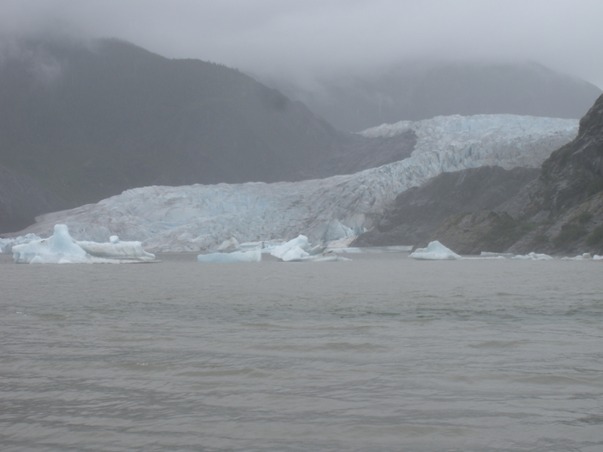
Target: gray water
(380, 353)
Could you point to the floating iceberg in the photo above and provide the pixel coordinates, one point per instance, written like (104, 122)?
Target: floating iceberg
(294, 250)
(533, 256)
(60, 248)
(299, 249)
(434, 251)
(254, 255)
(6, 244)
(579, 257)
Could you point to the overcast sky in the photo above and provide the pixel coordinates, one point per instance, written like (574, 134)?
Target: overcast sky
(314, 36)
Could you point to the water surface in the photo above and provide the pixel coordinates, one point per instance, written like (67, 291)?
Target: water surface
(380, 353)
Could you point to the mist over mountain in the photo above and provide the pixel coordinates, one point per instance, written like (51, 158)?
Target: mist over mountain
(416, 90)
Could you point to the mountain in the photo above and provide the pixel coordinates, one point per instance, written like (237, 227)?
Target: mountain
(21, 199)
(201, 217)
(559, 210)
(87, 120)
(417, 90)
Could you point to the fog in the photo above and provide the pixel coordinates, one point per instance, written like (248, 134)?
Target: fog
(310, 38)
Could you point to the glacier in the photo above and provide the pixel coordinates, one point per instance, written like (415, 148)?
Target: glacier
(202, 217)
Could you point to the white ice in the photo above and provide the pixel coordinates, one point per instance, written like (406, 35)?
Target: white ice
(533, 257)
(201, 217)
(116, 249)
(434, 251)
(61, 248)
(294, 250)
(254, 255)
(6, 244)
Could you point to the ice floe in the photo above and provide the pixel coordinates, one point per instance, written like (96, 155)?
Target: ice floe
(254, 255)
(533, 256)
(434, 251)
(61, 248)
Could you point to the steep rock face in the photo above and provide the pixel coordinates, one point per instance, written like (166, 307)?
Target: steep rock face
(575, 171)
(567, 205)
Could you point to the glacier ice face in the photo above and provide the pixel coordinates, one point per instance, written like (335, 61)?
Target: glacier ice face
(201, 217)
(434, 251)
(61, 248)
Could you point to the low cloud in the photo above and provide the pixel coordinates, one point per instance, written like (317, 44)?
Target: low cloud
(315, 37)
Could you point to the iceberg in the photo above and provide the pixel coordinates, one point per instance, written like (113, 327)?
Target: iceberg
(434, 251)
(6, 244)
(116, 249)
(299, 249)
(294, 250)
(61, 248)
(533, 257)
(579, 257)
(254, 255)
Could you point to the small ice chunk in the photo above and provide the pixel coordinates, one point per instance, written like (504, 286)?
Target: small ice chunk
(6, 244)
(231, 244)
(434, 251)
(228, 258)
(533, 256)
(118, 250)
(294, 250)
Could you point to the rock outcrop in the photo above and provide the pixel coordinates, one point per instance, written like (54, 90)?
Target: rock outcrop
(417, 213)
